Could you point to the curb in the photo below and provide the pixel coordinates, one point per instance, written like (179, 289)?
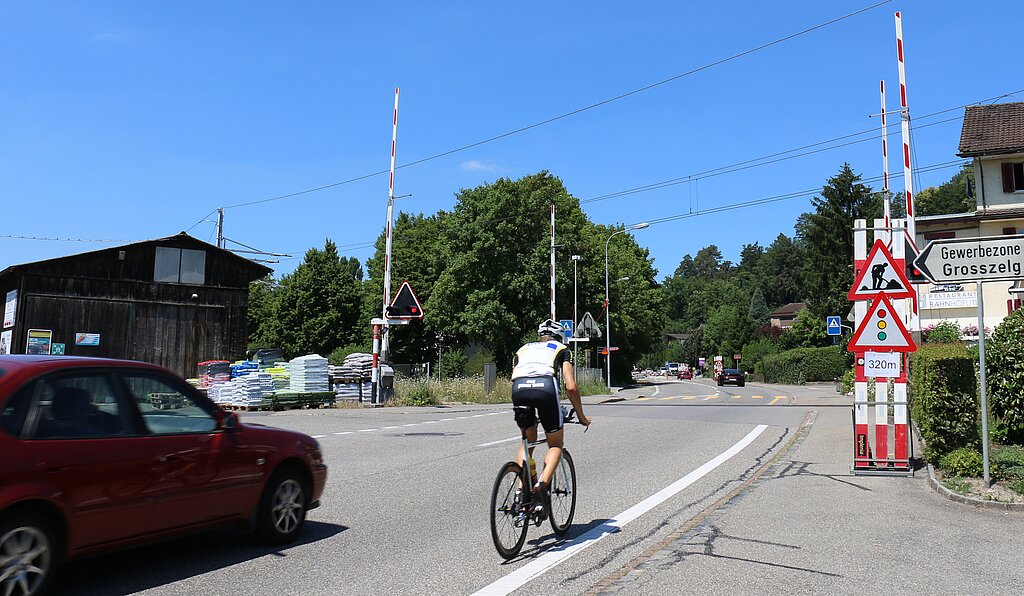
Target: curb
(981, 503)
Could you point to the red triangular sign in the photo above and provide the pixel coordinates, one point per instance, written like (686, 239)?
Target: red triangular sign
(405, 304)
(882, 330)
(880, 275)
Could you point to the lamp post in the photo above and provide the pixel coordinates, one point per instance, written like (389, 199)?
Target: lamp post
(575, 320)
(607, 304)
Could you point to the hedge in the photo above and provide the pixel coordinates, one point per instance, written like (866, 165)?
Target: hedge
(799, 366)
(944, 398)
(1005, 363)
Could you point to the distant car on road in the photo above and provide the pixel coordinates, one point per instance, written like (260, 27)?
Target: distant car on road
(684, 374)
(100, 454)
(732, 375)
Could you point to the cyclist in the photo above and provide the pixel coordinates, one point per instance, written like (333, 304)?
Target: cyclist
(535, 371)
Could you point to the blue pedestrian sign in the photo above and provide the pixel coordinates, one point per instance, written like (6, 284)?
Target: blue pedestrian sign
(833, 325)
(566, 327)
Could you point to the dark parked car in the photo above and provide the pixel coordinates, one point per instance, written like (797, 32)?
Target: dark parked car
(732, 375)
(100, 454)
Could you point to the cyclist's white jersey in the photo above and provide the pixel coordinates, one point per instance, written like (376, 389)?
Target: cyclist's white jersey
(539, 359)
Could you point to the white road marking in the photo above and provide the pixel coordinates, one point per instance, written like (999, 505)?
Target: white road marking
(413, 424)
(317, 436)
(390, 427)
(540, 565)
(501, 441)
(446, 420)
(368, 430)
(347, 432)
(656, 389)
(478, 415)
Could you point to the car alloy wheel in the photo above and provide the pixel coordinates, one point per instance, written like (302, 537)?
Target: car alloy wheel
(25, 555)
(287, 506)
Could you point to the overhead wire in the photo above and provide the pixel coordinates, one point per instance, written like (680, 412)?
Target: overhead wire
(572, 112)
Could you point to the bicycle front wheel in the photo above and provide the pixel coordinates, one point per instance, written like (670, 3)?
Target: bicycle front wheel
(509, 518)
(562, 495)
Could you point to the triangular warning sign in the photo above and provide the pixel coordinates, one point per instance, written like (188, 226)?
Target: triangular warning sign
(882, 330)
(587, 327)
(405, 305)
(880, 275)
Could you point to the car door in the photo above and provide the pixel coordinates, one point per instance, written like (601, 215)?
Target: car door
(83, 442)
(203, 474)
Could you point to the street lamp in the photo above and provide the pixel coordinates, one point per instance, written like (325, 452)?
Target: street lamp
(575, 320)
(607, 304)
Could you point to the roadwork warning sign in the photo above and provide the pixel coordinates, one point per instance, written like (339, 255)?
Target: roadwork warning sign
(880, 275)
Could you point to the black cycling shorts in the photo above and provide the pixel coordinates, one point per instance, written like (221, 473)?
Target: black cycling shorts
(539, 394)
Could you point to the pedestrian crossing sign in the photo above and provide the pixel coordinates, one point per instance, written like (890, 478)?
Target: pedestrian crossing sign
(880, 275)
(833, 325)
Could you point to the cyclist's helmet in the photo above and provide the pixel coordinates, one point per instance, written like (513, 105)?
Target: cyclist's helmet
(550, 328)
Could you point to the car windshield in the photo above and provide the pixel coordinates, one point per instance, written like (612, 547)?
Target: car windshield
(731, 371)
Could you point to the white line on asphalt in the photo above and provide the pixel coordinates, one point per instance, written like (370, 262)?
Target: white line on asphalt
(446, 420)
(656, 389)
(317, 436)
(368, 430)
(478, 415)
(520, 577)
(390, 427)
(430, 422)
(501, 441)
(413, 424)
(347, 432)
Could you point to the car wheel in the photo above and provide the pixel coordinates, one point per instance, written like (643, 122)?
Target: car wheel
(28, 554)
(283, 506)
(740, 384)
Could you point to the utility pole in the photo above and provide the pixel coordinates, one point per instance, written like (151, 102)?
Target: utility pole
(575, 318)
(553, 317)
(220, 227)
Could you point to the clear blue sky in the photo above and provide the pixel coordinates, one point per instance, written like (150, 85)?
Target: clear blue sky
(134, 120)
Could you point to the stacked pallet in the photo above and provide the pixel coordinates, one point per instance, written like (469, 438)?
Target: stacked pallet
(213, 372)
(309, 374)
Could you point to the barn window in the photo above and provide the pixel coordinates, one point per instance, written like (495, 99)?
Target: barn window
(180, 265)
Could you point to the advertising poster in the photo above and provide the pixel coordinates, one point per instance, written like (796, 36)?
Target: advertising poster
(39, 341)
(87, 339)
(10, 308)
(5, 342)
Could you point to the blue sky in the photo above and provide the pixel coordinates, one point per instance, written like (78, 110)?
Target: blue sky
(135, 120)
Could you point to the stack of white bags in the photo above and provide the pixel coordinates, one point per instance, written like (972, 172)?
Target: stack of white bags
(309, 374)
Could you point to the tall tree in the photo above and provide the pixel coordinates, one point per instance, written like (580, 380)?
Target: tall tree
(262, 313)
(318, 304)
(782, 272)
(949, 197)
(827, 235)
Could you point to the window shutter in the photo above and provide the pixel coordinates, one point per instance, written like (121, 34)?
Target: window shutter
(1007, 177)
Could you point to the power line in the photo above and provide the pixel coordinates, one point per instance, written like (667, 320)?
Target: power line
(572, 112)
(54, 239)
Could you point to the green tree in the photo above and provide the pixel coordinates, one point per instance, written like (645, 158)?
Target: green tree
(758, 311)
(949, 197)
(727, 330)
(782, 272)
(261, 313)
(827, 235)
(318, 304)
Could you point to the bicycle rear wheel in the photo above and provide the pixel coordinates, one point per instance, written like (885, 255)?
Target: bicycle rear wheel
(562, 495)
(508, 518)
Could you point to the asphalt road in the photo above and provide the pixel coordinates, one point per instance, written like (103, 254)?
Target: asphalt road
(405, 508)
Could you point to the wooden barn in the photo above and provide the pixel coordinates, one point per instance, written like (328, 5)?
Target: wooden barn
(172, 301)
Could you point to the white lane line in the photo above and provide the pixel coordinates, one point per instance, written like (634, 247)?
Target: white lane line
(430, 422)
(317, 436)
(478, 415)
(540, 565)
(413, 424)
(446, 420)
(656, 389)
(501, 441)
(390, 427)
(368, 430)
(347, 432)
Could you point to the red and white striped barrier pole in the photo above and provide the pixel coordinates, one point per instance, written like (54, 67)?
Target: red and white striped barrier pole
(861, 446)
(908, 181)
(900, 420)
(882, 383)
(885, 160)
(388, 232)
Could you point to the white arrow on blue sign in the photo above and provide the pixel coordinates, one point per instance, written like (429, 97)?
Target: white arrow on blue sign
(566, 327)
(833, 325)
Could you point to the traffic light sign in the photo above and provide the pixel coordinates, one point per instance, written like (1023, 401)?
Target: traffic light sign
(405, 304)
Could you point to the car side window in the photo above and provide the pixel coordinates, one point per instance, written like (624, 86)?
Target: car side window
(76, 406)
(165, 408)
(14, 412)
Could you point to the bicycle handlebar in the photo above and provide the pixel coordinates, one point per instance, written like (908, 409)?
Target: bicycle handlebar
(569, 417)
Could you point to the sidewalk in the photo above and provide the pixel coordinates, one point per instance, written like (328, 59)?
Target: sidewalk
(808, 526)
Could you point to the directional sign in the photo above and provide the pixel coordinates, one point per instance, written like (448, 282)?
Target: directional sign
(880, 275)
(833, 325)
(881, 330)
(993, 258)
(566, 327)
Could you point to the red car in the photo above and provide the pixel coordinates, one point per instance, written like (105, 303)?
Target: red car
(684, 375)
(100, 454)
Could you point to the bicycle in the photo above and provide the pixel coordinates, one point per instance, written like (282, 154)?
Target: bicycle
(512, 500)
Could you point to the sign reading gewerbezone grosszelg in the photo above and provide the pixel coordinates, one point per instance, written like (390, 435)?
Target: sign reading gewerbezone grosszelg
(880, 276)
(993, 258)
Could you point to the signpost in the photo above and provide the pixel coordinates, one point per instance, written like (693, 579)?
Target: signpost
(989, 258)
(833, 325)
(993, 258)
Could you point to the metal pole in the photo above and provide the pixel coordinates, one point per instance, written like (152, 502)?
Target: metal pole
(575, 319)
(553, 263)
(607, 315)
(220, 227)
(984, 385)
(388, 233)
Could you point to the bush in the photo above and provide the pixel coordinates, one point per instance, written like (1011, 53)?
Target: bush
(965, 461)
(1004, 362)
(943, 398)
(1007, 462)
(337, 357)
(453, 364)
(419, 395)
(796, 367)
(946, 332)
(754, 352)
(475, 363)
(847, 381)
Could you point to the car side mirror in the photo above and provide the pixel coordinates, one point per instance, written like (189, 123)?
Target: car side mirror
(227, 421)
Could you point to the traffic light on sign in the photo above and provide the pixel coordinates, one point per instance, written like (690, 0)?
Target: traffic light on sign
(405, 305)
